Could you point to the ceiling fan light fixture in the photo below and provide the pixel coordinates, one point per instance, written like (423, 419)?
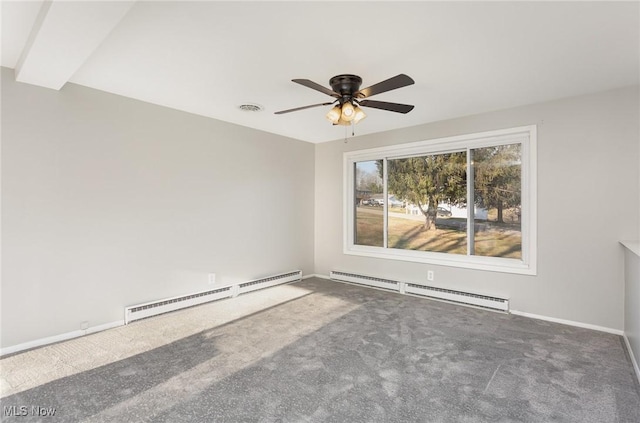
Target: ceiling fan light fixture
(334, 115)
(348, 111)
(358, 114)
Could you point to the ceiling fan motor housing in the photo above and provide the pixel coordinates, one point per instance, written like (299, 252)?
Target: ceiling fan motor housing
(346, 86)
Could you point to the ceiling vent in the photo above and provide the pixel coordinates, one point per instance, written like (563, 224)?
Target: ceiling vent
(251, 107)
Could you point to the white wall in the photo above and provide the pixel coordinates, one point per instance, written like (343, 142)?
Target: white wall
(587, 163)
(108, 201)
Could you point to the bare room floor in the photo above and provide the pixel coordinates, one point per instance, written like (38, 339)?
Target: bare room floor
(321, 351)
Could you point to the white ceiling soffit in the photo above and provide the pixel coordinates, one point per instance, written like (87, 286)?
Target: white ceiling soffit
(17, 21)
(208, 57)
(64, 35)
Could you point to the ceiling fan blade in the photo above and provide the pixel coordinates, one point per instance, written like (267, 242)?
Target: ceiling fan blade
(281, 112)
(397, 81)
(392, 107)
(314, 86)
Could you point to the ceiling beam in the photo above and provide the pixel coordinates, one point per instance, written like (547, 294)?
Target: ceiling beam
(63, 36)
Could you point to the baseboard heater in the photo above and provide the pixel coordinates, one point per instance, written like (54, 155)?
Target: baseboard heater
(141, 311)
(366, 280)
(449, 295)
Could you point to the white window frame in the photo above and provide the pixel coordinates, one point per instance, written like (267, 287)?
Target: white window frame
(525, 135)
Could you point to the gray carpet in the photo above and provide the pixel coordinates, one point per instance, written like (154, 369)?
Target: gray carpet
(344, 353)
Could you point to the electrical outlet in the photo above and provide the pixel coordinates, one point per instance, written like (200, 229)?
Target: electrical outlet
(212, 278)
(84, 325)
(430, 275)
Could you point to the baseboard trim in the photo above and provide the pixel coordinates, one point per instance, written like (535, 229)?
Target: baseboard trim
(316, 275)
(57, 338)
(568, 322)
(633, 357)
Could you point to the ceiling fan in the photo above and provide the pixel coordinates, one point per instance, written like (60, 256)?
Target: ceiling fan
(349, 97)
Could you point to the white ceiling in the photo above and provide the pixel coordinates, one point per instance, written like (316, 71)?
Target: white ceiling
(209, 57)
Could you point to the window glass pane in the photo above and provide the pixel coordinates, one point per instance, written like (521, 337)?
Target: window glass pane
(467, 206)
(369, 201)
(433, 190)
(497, 192)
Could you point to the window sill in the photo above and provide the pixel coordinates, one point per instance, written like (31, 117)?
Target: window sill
(490, 264)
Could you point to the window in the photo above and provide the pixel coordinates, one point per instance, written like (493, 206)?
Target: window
(465, 201)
